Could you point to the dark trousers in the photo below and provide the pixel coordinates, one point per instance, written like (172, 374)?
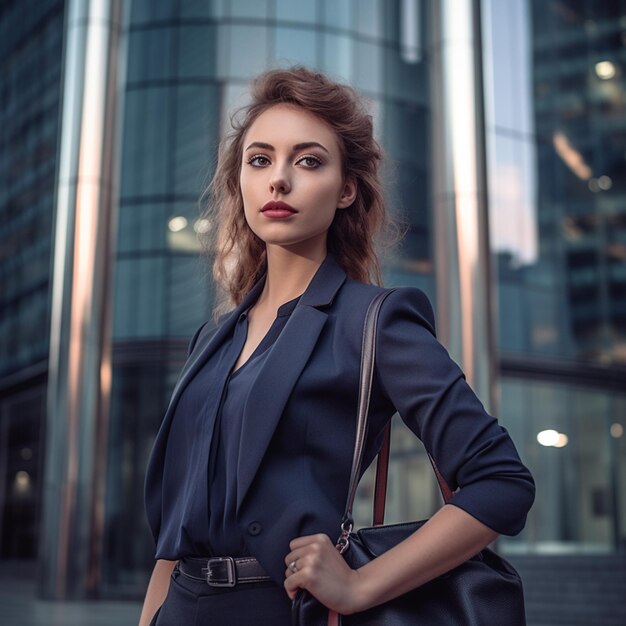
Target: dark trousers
(194, 603)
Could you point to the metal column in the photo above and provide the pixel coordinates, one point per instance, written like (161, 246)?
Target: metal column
(79, 378)
(465, 310)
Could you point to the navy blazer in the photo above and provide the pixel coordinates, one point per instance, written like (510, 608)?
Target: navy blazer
(300, 417)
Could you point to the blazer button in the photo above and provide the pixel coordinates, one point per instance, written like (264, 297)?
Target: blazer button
(254, 528)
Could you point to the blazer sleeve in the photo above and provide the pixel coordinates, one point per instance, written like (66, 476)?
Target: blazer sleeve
(428, 389)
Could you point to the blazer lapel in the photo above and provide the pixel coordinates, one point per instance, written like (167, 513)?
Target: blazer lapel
(288, 355)
(204, 348)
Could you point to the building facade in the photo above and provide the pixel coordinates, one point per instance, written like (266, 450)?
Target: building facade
(552, 126)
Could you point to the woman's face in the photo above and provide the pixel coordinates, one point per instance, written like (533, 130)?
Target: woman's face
(291, 179)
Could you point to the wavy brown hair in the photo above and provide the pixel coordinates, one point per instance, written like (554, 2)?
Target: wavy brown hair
(238, 254)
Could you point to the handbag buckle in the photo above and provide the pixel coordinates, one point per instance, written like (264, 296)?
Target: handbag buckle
(344, 542)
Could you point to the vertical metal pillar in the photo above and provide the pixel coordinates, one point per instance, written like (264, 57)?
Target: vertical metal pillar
(465, 310)
(79, 377)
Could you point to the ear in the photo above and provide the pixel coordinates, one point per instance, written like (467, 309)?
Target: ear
(348, 193)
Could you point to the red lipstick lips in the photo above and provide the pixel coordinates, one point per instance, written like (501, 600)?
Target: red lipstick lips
(277, 209)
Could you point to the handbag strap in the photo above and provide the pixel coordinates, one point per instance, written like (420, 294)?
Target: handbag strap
(368, 350)
(368, 354)
(382, 470)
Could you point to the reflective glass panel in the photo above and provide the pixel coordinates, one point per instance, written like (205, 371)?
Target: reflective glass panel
(295, 45)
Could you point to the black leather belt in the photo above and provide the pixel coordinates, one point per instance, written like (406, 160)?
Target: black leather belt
(223, 571)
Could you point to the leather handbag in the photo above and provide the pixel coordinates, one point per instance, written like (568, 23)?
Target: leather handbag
(483, 591)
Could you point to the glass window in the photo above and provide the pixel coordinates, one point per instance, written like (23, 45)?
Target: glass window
(571, 438)
(369, 65)
(368, 17)
(150, 54)
(139, 398)
(242, 50)
(405, 81)
(196, 135)
(338, 14)
(190, 295)
(141, 227)
(182, 227)
(197, 56)
(337, 56)
(564, 163)
(145, 143)
(509, 87)
(512, 192)
(407, 143)
(289, 11)
(294, 45)
(412, 491)
(148, 11)
(21, 472)
(202, 8)
(139, 297)
(249, 8)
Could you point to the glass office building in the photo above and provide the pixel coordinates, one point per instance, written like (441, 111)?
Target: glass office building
(553, 136)
(31, 44)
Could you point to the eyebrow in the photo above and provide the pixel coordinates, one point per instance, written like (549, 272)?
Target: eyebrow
(299, 146)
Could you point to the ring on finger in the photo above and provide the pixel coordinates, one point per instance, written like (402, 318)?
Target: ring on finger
(293, 567)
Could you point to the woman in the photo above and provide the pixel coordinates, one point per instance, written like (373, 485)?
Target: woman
(252, 462)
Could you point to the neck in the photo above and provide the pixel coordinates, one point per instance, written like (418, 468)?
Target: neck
(288, 274)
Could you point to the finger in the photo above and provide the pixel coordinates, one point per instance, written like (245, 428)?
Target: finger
(292, 593)
(294, 566)
(292, 583)
(294, 555)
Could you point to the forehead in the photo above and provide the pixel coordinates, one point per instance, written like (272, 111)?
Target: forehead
(287, 125)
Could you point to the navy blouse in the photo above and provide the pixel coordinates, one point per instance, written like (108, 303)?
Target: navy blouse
(204, 482)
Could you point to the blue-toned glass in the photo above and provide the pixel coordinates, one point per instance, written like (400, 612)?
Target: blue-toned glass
(197, 51)
(145, 157)
(295, 46)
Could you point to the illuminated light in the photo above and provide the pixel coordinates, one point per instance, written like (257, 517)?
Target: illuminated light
(202, 226)
(617, 430)
(177, 224)
(605, 70)
(570, 156)
(605, 183)
(593, 185)
(561, 442)
(22, 482)
(548, 437)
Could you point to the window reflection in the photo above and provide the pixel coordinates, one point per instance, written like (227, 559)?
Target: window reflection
(579, 475)
(242, 50)
(293, 46)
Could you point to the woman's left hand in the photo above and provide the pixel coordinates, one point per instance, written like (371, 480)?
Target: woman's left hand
(322, 571)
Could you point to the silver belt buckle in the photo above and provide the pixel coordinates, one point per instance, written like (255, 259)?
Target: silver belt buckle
(218, 567)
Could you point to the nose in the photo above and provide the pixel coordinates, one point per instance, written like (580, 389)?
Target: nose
(279, 182)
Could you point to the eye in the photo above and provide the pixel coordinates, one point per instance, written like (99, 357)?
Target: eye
(309, 161)
(258, 160)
